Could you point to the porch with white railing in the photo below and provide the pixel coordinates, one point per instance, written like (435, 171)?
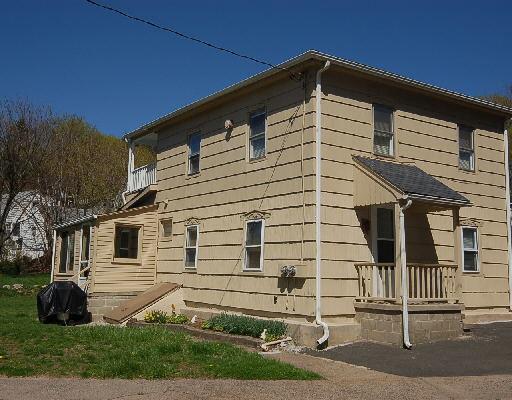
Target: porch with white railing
(141, 177)
(426, 283)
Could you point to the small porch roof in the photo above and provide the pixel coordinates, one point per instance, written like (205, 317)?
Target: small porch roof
(379, 182)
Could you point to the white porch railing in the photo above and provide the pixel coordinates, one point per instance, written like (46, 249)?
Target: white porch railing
(427, 282)
(141, 177)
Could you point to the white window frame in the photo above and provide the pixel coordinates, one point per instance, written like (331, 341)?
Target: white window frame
(475, 250)
(255, 113)
(261, 245)
(468, 150)
(185, 247)
(392, 140)
(190, 155)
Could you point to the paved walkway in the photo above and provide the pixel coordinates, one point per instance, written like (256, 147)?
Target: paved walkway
(342, 381)
(487, 350)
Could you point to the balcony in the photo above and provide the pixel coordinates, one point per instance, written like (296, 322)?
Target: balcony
(427, 283)
(141, 177)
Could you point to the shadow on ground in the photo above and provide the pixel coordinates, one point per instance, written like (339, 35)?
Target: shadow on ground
(487, 350)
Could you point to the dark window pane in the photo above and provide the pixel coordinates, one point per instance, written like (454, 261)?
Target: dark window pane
(382, 143)
(191, 236)
(257, 122)
(194, 144)
(469, 238)
(126, 242)
(252, 257)
(253, 234)
(383, 119)
(63, 251)
(71, 251)
(385, 223)
(385, 251)
(470, 261)
(190, 258)
(466, 160)
(465, 138)
(257, 148)
(193, 165)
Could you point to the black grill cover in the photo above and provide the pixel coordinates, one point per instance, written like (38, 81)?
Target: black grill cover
(61, 297)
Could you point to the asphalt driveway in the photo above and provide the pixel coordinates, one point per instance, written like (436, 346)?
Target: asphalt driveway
(486, 350)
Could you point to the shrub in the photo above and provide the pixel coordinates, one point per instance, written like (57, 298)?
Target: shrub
(243, 325)
(161, 317)
(15, 266)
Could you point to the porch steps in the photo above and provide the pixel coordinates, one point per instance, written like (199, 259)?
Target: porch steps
(140, 302)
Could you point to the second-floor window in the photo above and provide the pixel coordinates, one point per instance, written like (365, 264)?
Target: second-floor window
(257, 131)
(466, 148)
(383, 130)
(194, 153)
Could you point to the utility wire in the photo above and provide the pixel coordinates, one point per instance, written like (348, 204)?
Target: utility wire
(293, 75)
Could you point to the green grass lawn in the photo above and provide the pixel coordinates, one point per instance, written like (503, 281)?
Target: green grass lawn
(28, 347)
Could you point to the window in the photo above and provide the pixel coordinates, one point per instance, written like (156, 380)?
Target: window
(191, 246)
(194, 153)
(126, 242)
(466, 148)
(257, 128)
(67, 251)
(383, 130)
(16, 229)
(166, 225)
(254, 245)
(470, 249)
(86, 242)
(385, 236)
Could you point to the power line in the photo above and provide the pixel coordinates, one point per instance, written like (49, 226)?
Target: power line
(293, 75)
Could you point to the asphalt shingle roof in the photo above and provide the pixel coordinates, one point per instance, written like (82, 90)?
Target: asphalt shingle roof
(411, 180)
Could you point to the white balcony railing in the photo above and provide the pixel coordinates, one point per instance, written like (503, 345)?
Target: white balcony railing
(426, 282)
(141, 177)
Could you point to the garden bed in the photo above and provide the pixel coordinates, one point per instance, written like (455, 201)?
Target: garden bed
(197, 331)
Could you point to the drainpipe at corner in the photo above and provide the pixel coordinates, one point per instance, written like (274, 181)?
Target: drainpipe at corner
(405, 283)
(318, 206)
(53, 255)
(507, 205)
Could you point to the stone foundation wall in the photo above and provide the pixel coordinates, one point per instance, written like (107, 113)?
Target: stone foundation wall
(427, 323)
(100, 303)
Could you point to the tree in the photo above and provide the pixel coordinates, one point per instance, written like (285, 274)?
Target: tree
(25, 133)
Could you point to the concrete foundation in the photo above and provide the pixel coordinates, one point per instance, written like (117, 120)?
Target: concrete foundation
(100, 303)
(427, 322)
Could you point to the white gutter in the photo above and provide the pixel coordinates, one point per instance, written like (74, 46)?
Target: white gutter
(509, 234)
(318, 205)
(53, 254)
(405, 284)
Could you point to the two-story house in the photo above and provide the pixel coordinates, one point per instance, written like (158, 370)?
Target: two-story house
(349, 201)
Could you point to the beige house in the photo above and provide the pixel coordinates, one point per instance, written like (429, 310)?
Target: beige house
(346, 200)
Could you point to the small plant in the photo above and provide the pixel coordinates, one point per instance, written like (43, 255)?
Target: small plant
(161, 317)
(247, 326)
(156, 317)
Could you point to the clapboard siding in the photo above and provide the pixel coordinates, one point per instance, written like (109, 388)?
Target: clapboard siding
(109, 276)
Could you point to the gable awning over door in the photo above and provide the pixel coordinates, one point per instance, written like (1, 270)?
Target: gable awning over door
(383, 182)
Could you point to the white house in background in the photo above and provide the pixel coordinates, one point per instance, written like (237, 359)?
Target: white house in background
(26, 226)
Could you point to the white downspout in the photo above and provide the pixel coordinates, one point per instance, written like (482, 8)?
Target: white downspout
(53, 254)
(405, 285)
(318, 206)
(509, 234)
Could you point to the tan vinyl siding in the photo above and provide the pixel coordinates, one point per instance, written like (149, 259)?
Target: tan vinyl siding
(113, 276)
(426, 135)
(228, 187)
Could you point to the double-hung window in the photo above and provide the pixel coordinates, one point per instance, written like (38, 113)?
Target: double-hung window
(126, 242)
(254, 240)
(257, 133)
(470, 249)
(466, 148)
(194, 153)
(191, 246)
(383, 130)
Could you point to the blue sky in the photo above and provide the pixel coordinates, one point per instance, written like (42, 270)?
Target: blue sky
(119, 74)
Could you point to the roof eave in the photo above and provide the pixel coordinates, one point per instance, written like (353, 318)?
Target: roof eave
(506, 112)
